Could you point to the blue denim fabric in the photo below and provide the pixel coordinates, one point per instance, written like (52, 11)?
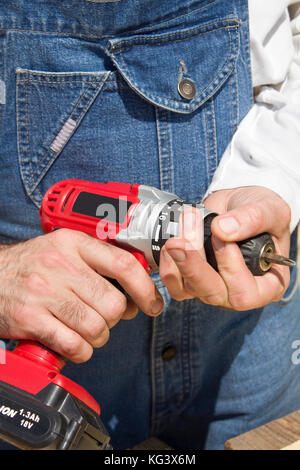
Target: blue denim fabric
(112, 70)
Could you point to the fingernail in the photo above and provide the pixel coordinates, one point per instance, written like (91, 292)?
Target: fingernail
(218, 244)
(178, 255)
(229, 225)
(157, 306)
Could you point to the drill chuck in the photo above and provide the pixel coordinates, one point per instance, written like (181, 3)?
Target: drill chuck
(258, 251)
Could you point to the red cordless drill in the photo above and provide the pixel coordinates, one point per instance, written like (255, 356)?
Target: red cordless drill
(39, 407)
(140, 219)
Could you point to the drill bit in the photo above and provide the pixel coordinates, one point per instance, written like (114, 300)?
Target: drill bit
(278, 259)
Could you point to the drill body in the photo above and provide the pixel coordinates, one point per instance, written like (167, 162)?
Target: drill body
(136, 217)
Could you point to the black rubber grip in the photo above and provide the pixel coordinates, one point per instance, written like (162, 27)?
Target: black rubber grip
(251, 248)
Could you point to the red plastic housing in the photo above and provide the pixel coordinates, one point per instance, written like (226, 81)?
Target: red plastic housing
(31, 367)
(58, 203)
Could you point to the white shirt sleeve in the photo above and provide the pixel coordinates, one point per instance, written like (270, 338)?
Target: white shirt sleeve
(265, 150)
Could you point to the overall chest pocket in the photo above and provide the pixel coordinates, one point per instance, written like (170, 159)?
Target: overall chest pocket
(50, 107)
(152, 69)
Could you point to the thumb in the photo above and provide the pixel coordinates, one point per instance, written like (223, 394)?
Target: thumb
(249, 220)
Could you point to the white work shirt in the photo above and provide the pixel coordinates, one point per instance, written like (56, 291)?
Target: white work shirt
(265, 150)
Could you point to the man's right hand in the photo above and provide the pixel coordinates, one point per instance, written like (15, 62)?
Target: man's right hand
(53, 289)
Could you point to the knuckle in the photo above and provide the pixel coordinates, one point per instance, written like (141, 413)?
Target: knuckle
(124, 262)
(286, 214)
(255, 215)
(58, 237)
(178, 295)
(51, 258)
(54, 259)
(281, 207)
(71, 345)
(167, 277)
(214, 299)
(62, 235)
(117, 306)
(97, 286)
(241, 301)
(95, 328)
(65, 236)
(102, 338)
(35, 282)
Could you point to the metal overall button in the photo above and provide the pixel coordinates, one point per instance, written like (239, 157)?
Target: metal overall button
(187, 88)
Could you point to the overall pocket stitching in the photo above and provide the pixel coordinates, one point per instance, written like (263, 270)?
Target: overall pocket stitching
(211, 139)
(235, 97)
(103, 1)
(165, 151)
(52, 83)
(235, 102)
(230, 23)
(23, 132)
(84, 35)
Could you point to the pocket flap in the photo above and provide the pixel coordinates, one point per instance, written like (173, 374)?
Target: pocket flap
(155, 65)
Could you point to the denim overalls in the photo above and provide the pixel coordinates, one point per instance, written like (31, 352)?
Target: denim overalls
(104, 76)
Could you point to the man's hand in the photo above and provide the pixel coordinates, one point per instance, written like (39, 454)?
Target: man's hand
(53, 289)
(246, 212)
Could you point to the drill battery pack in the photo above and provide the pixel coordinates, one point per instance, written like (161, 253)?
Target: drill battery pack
(42, 409)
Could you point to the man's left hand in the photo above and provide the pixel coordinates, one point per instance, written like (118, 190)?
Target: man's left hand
(244, 213)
